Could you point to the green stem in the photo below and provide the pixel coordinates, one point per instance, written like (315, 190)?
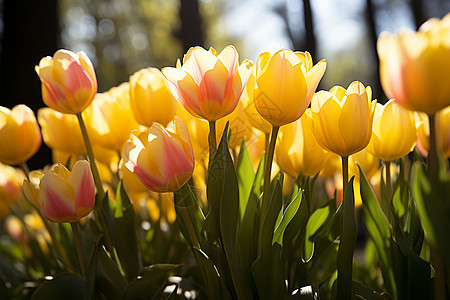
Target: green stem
(90, 154)
(212, 142)
(388, 184)
(266, 188)
(432, 149)
(98, 183)
(76, 238)
(25, 169)
(344, 175)
(179, 202)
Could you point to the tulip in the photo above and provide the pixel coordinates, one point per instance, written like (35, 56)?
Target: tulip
(442, 132)
(109, 121)
(208, 84)
(150, 97)
(285, 84)
(297, 152)
(251, 115)
(10, 187)
(62, 195)
(342, 119)
(68, 81)
(20, 137)
(393, 132)
(414, 66)
(161, 158)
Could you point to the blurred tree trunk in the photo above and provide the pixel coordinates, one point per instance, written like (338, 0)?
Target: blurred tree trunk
(31, 31)
(373, 36)
(417, 7)
(310, 37)
(191, 33)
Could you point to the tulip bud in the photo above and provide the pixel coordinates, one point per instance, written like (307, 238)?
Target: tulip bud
(150, 97)
(414, 66)
(62, 195)
(297, 151)
(161, 158)
(393, 133)
(342, 119)
(442, 123)
(285, 84)
(68, 81)
(20, 137)
(208, 84)
(10, 187)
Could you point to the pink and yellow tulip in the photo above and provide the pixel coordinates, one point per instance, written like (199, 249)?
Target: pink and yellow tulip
(62, 195)
(208, 84)
(68, 81)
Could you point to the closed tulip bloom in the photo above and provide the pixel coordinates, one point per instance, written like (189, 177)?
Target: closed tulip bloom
(110, 121)
(150, 97)
(161, 158)
(393, 132)
(285, 84)
(208, 84)
(297, 152)
(251, 115)
(342, 119)
(10, 187)
(61, 195)
(414, 66)
(61, 131)
(20, 137)
(442, 124)
(68, 81)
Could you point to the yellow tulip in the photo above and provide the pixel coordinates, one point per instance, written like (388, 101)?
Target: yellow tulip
(110, 121)
(414, 66)
(20, 137)
(342, 119)
(297, 152)
(68, 81)
(442, 124)
(251, 115)
(161, 158)
(393, 132)
(285, 84)
(208, 84)
(62, 195)
(61, 131)
(150, 97)
(10, 187)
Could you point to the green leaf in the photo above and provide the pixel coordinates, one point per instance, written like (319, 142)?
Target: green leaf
(125, 238)
(245, 173)
(310, 292)
(64, 286)
(268, 275)
(288, 214)
(150, 283)
(362, 292)
(347, 244)
(190, 203)
(379, 230)
(317, 221)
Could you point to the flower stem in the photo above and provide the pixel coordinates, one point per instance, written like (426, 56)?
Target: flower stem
(344, 175)
(432, 150)
(98, 183)
(90, 154)
(266, 188)
(76, 238)
(179, 202)
(212, 142)
(388, 185)
(25, 169)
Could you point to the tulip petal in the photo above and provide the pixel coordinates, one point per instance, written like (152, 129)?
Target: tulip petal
(83, 184)
(314, 76)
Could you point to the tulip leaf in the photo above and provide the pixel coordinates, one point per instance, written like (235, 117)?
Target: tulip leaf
(244, 168)
(150, 283)
(64, 286)
(379, 231)
(125, 238)
(347, 244)
(316, 223)
(248, 230)
(362, 292)
(268, 275)
(288, 215)
(309, 292)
